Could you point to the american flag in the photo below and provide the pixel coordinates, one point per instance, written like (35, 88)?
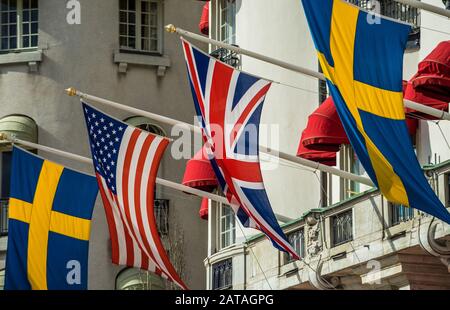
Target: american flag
(228, 105)
(126, 161)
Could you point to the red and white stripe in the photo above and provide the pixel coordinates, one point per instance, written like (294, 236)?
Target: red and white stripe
(130, 213)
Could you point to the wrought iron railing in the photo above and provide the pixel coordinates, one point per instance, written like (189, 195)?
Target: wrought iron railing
(400, 213)
(229, 57)
(162, 216)
(3, 217)
(297, 240)
(222, 275)
(342, 227)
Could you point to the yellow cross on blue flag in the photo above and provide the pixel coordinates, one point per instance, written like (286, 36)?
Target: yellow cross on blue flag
(361, 55)
(50, 211)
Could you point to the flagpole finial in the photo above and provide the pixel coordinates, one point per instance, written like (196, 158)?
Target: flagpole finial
(71, 91)
(171, 28)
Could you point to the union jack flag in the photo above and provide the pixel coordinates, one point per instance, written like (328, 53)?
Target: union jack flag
(126, 161)
(228, 104)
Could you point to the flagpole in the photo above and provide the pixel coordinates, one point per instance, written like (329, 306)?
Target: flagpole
(290, 158)
(408, 103)
(426, 7)
(160, 181)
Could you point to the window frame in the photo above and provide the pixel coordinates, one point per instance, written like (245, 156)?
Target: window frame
(138, 29)
(230, 231)
(19, 29)
(301, 251)
(334, 241)
(224, 6)
(226, 276)
(409, 214)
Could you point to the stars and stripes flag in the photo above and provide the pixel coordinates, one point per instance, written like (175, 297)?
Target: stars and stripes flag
(126, 161)
(228, 104)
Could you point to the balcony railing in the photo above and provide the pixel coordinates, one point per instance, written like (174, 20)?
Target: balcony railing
(391, 8)
(342, 227)
(3, 217)
(297, 240)
(400, 213)
(162, 216)
(222, 276)
(227, 56)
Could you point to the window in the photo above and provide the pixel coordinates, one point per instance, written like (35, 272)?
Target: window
(141, 25)
(3, 217)
(342, 227)
(227, 21)
(400, 213)
(297, 240)
(227, 32)
(162, 216)
(226, 227)
(5, 175)
(19, 21)
(349, 162)
(222, 275)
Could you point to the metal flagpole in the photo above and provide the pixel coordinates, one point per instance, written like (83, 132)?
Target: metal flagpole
(160, 181)
(409, 104)
(290, 158)
(426, 7)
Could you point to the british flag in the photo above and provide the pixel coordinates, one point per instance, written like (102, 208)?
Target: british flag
(228, 104)
(126, 161)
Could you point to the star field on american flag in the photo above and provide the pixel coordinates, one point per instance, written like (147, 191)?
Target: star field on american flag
(106, 135)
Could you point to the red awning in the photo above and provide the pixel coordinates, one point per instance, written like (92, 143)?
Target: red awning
(204, 20)
(430, 85)
(324, 131)
(203, 212)
(324, 157)
(324, 134)
(199, 173)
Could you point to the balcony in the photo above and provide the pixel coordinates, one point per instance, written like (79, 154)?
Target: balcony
(363, 242)
(227, 56)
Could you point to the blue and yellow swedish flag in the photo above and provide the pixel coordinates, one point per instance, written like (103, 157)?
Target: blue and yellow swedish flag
(50, 213)
(361, 56)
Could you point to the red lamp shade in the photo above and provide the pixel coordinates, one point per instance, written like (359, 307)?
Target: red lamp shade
(199, 173)
(204, 20)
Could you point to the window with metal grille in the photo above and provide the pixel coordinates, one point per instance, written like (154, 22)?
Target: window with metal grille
(19, 21)
(297, 240)
(3, 217)
(342, 227)
(141, 25)
(162, 216)
(400, 213)
(222, 275)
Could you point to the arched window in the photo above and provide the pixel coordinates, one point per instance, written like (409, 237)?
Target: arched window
(145, 124)
(137, 279)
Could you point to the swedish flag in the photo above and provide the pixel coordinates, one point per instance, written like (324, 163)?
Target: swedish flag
(50, 213)
(361, 56)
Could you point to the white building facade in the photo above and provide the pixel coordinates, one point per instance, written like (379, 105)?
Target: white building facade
(349, 235)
